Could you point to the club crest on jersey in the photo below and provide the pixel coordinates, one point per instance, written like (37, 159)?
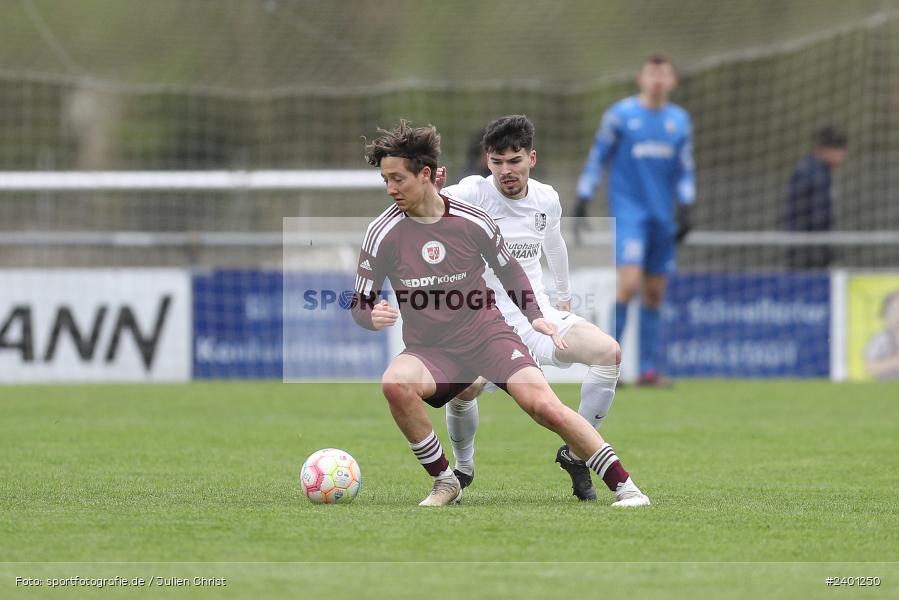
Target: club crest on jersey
(540, 221)
(433, 252)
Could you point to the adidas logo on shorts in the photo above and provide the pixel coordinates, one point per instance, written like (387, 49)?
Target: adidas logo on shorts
(516, 354)
(365, 265)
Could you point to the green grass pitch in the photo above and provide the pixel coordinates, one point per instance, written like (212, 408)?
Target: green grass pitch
(759, 489)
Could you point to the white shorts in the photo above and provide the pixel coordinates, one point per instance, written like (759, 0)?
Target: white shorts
(541, 345)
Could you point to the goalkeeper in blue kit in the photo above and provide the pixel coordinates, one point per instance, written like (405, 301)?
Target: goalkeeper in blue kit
(646, 143)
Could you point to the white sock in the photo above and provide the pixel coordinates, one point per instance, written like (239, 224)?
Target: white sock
(598, 392)
(462, 423)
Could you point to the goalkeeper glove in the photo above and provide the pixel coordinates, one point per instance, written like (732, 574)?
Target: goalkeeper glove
(684, 221)
(580, 222)
(581, 209)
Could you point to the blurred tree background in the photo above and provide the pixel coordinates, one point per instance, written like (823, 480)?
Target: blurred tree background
(295, 84)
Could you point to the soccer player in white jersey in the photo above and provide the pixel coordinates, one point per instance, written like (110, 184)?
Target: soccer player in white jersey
(528, 213)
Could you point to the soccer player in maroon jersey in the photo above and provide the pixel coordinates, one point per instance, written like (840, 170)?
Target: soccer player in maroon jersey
(433, 251)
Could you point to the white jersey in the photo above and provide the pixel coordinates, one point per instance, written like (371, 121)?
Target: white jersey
(530, 226)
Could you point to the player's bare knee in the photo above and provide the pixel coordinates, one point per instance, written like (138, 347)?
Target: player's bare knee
(396, 385)
(549, 413)
(392, 390)
(596, 347)
(606, 352)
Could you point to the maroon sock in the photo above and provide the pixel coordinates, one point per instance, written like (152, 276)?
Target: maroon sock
(607, 465)
(430, 454)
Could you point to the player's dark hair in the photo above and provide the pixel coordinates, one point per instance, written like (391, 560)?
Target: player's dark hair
(830, 137)
(659, 58)
(515, 132)
(419, 146)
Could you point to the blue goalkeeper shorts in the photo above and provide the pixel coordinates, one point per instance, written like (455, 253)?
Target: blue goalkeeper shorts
(646, 242)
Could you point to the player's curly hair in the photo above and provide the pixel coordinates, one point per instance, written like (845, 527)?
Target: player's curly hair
(419, 146)
(512, 131)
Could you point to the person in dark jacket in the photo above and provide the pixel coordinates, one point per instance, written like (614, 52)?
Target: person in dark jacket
(809, 198)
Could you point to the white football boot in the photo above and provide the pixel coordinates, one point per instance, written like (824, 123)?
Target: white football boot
(628, 495)
(447, 490)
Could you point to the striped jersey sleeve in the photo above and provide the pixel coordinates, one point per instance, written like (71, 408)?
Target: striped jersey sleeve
(372, 266)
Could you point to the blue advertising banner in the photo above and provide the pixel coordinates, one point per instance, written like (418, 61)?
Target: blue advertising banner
(248, 324)
(747, 325)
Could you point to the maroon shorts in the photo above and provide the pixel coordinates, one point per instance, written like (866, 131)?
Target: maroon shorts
(497, 355)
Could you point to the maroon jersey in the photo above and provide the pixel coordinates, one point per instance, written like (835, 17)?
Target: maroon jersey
(435, 270)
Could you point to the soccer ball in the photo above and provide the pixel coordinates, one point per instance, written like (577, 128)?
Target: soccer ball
(330, 476)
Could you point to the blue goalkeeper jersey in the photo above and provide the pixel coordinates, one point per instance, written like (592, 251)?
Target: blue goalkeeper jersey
(649, 153)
